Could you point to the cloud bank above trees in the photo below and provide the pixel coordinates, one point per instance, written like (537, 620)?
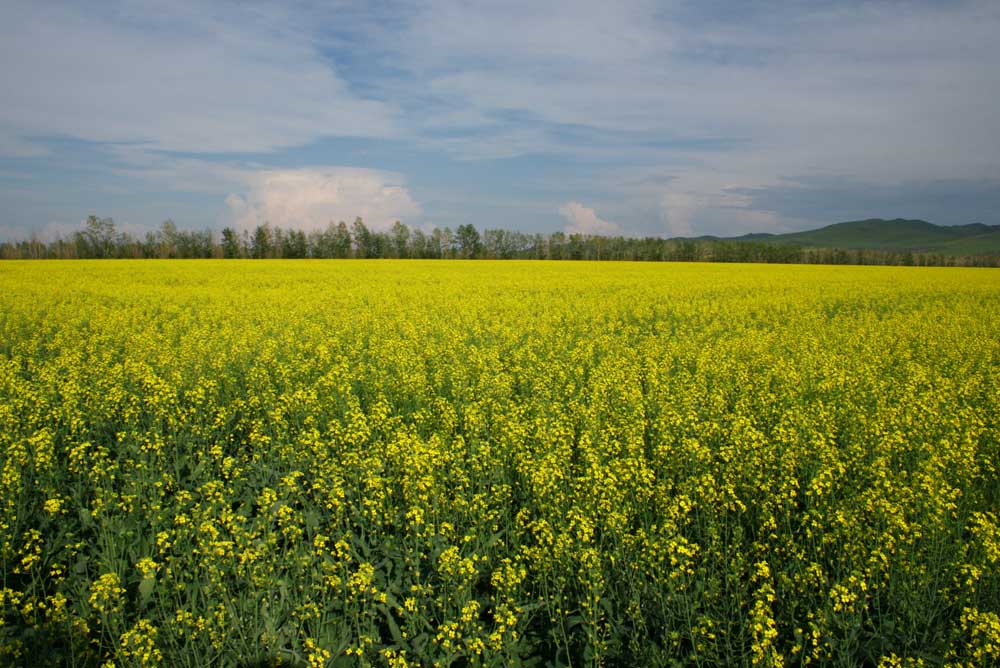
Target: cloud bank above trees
(309, 199)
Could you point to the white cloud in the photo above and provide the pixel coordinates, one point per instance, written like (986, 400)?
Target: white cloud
(309, 199)
(582, 219)
(171, 77)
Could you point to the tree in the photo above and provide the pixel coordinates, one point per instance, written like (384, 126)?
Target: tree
(362, 238)
(557, 241)
(193, 244)
(167, 239)
(400, 237)
(501, 244)
(97, 238)
(468, 241)
(440, 244)
(341, 241)
(379, 245)
(687, 251)
(260, 245)
(277, 243)
(321, 242)
(230, 243)
(418, 244)
(294, 244)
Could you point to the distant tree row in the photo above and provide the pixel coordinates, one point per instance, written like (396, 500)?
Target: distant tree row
(101, 239)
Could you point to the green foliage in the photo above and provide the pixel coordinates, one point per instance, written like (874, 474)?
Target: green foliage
(467, 238)
(865, 242)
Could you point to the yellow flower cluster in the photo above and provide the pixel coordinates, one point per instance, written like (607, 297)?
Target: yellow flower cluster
(410, 463)
(105, 594)
(138, 646)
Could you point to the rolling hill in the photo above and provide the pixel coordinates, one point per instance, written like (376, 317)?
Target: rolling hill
(897, 234)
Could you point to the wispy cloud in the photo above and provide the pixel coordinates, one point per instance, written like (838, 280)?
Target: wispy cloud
(873, 92)
(172, 77)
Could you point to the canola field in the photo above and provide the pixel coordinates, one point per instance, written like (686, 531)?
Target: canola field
(406, 463)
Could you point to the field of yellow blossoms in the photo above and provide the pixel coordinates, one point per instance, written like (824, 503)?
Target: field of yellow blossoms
(408, 463)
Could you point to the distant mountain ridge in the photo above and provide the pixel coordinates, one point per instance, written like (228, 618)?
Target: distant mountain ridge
(892, 235)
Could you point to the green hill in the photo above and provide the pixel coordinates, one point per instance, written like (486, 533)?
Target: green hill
(898, 234)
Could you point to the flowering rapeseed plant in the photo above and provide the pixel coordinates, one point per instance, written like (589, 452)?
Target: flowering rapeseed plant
(477, 464)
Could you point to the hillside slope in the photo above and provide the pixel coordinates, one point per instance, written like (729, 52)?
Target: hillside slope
(898, 234)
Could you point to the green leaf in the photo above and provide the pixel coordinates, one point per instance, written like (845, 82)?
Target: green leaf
(397, 636)
(146, 590)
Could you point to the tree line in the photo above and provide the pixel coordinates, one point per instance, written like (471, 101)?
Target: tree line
(101, 239)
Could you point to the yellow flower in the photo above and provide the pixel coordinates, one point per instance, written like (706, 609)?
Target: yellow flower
(53, 505)
(106, 593)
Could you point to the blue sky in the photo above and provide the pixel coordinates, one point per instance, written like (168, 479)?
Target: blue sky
(659, 118)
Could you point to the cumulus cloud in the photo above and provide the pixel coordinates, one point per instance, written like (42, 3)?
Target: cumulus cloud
(582, 219)
(308, 199)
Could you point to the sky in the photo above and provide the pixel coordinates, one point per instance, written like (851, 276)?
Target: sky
(627, 117)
